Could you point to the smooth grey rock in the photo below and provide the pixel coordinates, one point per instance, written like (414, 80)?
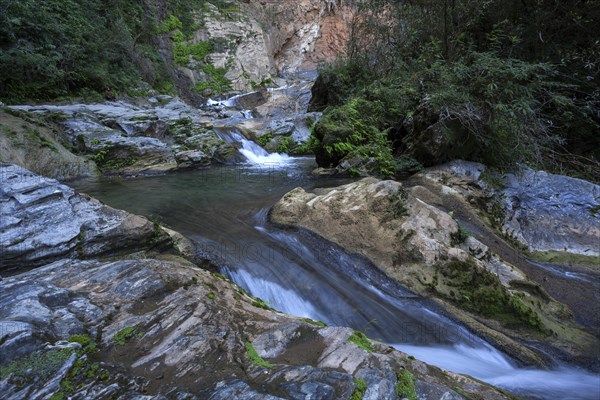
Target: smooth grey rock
(274, 342)
(307, 382)
(548, 212)
(542, 211)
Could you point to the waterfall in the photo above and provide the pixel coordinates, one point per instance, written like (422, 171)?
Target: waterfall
(251, 150)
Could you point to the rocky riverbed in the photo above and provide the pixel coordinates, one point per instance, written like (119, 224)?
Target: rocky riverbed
(134, 317)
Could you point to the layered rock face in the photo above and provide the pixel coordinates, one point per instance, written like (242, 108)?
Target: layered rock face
(261, 39)
(150, 324)
(305, 33)
(42, 220)
(547, 212)
(424, 248)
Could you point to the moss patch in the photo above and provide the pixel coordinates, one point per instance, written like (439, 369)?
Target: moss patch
(86, 342)
(559, 257)
(126, 334)
(260, 303)
(313, 322)
(405, 385)
(255, 358)
(477, 290)
(360, 387)
(398, 203)
(361, 340)
(42, 365)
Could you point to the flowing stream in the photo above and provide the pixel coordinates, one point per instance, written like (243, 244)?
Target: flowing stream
(225, 210)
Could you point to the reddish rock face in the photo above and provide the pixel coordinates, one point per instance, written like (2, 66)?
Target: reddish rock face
(304, 33)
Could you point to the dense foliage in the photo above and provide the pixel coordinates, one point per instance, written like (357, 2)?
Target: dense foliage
(493, 81)
(59, 48)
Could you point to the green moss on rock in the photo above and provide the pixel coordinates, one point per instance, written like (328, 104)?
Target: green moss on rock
(405, 385)
(479, 291)
(360, 387)
(361, 340)
(255, 358)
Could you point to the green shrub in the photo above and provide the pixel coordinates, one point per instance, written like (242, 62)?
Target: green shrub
(353, 130)
(460, 236)
(216, 81)
(286, 145)
(493, 99)
(170, 24)
(264, 139)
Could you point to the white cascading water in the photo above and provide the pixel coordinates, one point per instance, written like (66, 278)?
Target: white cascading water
(272, 294)
(491, 366)
(252, 151)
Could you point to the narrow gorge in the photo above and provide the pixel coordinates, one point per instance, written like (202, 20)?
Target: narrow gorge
(263, 199)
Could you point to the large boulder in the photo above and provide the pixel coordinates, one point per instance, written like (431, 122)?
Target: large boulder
(543, 212)
(547, 212)
(432, 137)
(42, 220)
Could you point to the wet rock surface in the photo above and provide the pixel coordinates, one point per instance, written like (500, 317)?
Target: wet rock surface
(150, 324)
(548, 212)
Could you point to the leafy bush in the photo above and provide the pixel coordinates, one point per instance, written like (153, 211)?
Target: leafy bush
(494, 94)
(353, 129)
(65, 46)
(170, 24)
